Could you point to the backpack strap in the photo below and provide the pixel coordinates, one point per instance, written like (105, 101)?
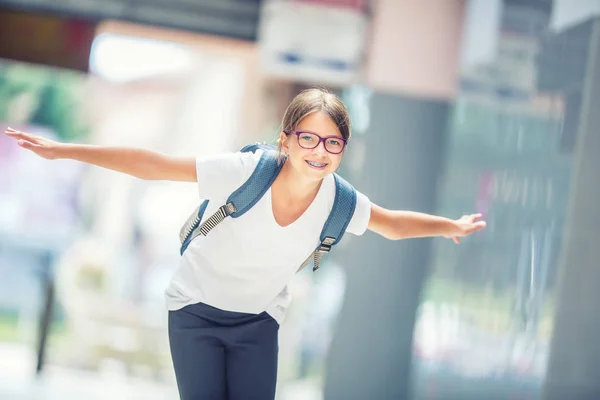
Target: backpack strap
(189, 229)
(240, 201)
(247, 195)
(340, 216)
(263, 176)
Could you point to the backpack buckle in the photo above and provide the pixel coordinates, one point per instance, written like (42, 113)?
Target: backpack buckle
(323, 248)
(229, 208)
(326, 244)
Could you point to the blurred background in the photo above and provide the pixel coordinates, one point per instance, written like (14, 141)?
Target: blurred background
(457, 106)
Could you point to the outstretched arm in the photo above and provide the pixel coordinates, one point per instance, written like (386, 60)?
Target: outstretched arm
(143, 164)
(396, 225)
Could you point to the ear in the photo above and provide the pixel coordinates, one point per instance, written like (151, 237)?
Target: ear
(283, 139)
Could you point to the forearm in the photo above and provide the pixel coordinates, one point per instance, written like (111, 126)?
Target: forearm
(143, 164)
(410, 224)
(396, 225)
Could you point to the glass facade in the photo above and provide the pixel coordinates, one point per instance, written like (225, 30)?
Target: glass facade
(486, 319)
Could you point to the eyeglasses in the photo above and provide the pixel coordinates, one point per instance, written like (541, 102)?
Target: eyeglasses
(310, 140)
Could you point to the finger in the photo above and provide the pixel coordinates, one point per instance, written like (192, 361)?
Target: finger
(472, 217)
(477, 226)
(13, 132)
(28, 145)
(23, 136)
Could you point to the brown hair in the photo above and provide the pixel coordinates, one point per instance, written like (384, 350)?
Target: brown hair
(312, 100)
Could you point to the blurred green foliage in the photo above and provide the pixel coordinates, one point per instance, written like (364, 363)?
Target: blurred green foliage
(54, 95)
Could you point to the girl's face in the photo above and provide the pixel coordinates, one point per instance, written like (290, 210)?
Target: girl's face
(314, 163)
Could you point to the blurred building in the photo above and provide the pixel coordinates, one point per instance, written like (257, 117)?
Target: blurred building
(457, 106)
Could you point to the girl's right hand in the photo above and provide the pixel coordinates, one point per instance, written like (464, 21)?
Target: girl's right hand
(41, 146)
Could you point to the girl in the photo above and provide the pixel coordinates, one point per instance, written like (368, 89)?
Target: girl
(229, 295)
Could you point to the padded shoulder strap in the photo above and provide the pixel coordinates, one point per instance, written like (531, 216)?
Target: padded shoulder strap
(238, 202)
(263, 176)
(340, 216)
(341, 212)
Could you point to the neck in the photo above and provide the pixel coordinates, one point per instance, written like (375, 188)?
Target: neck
(296, 185)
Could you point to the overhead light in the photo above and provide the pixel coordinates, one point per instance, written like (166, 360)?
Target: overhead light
(120, 58)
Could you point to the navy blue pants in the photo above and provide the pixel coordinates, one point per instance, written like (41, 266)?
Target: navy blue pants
(223, 355)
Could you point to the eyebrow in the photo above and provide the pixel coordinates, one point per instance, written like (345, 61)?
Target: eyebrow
(339, 136)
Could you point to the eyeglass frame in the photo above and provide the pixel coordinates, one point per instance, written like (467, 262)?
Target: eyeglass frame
(321, 140)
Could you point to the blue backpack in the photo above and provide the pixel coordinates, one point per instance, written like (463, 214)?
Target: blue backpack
(247, 195)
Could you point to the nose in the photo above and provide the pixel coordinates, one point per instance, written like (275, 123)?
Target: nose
(320, 149)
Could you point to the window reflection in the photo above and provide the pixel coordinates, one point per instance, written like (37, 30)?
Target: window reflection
(486, 319)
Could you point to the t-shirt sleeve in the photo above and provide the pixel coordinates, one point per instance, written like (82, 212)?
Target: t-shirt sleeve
(219, 175)
(362, 213)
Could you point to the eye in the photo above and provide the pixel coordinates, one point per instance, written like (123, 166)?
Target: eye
(306, 138)
(335, 142)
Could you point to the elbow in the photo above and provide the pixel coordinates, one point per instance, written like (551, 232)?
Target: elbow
(393, 234)
(387, 224)
(150, 172)
(389, 231)
(401, 232)
(143, 175)
(398, 236)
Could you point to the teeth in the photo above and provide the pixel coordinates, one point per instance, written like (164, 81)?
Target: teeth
(314, 164)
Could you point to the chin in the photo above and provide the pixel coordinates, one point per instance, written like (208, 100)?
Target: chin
(317, 174)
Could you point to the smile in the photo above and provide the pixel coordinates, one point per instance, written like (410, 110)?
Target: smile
(316, 164)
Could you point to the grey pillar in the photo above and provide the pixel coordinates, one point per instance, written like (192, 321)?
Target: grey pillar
(574, 365)
(370, 355)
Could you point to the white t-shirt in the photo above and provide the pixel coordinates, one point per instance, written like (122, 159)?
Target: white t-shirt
(244, 264)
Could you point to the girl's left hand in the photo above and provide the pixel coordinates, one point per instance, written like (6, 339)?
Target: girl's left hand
(466, 225)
